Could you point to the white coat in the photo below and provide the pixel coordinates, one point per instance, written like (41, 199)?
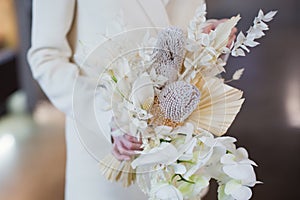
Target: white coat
(66, 31)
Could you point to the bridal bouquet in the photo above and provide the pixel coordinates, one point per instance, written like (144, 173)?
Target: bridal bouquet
(174, 99)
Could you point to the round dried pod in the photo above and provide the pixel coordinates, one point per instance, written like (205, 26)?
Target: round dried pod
(158, 118)
(178, 100)
(169, 51)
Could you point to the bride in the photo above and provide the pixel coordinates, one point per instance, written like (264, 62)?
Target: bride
(64, 32)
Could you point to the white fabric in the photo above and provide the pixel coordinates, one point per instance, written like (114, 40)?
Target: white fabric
(66, 31)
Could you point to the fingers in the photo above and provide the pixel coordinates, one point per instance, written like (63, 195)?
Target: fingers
(213, 25)
(231, 40)
(131, 145)
(118, 155)
(121, 153)
(122, 146)
(133, 139)
(208, 28)
(218, 22)
(232, 37)
(234, 31)
(125, 146)
(223, 20)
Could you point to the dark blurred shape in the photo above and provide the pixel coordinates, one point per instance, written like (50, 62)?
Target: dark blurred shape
(31, 88)
(1, 43)
(269, 122)
(8, 76)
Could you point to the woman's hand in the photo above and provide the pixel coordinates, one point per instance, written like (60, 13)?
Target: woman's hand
(124, 146)
(213, 24)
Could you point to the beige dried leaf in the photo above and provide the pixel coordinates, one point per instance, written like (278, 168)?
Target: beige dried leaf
(238, 74)
(118, 171)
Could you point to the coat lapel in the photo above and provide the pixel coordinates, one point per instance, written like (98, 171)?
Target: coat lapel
(155, 11)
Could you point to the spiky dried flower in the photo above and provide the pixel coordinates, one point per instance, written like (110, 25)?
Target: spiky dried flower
(159, 118)
(178, 100)
(169, 52)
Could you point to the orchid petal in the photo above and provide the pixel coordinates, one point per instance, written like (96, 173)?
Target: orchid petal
(163, 130)
(142, 92)
(166, 192)
(222, 195)
(228, 159)
(179, 168)
(232, 186)
(243, 193)
(166, 153)
(240, 172)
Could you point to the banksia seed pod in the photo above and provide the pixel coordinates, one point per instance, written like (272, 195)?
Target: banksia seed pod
(167, 71)
(169, 52)
(178, 100)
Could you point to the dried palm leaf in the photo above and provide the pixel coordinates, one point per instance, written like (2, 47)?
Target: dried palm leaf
(218, 107)
(119, 171)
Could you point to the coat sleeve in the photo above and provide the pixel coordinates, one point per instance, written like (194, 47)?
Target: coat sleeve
(49, 56)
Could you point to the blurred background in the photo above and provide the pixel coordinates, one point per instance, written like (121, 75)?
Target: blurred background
(32, 146)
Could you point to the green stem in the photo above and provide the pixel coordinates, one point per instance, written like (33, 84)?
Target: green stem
(185, 161)
(163, 140)
(182, 179)
(114, 79)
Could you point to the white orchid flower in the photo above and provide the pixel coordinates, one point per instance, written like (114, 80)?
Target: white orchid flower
(187, 129)
(202, 159)
(164, 133)
(212, 150)
(142, 94)
(239, 167)
(122, 90)
(178, 168)
(240, 156)
(189, 153)
(234, 190)
(139, 123)
(190, 190)
(165, 191)
(226, 142)
(130, 103)
(165, 154)
(244, 173)
(213, 167)
(163, 130)
(120, 68)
